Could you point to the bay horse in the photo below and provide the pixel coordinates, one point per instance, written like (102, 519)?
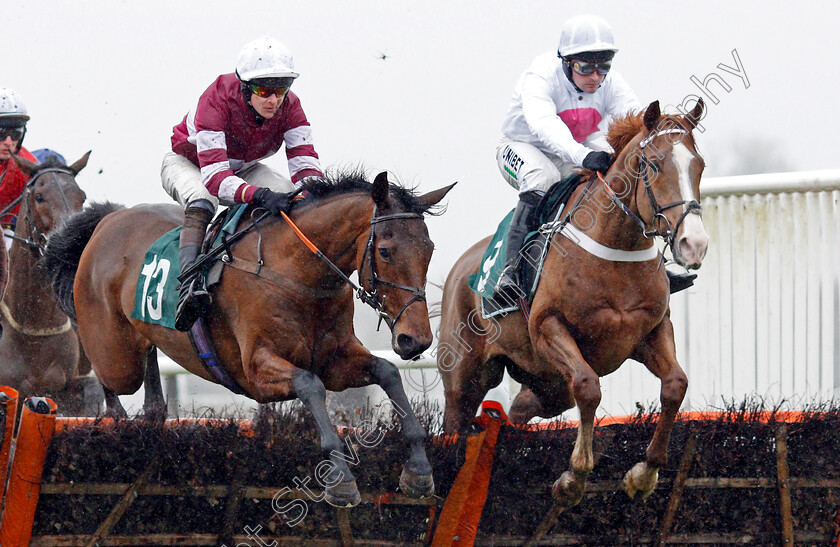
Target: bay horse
(39, 349)
(589, 314)
(282, 321)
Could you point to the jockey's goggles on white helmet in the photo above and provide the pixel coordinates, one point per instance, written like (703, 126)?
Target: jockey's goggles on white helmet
(266, 62)
(585, 69)
(266, 87)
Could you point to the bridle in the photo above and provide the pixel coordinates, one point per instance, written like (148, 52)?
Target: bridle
(372, 297)
(645, 166)
(37, 240)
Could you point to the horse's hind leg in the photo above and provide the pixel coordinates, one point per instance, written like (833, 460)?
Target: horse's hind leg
(340, 484)
(528, 404)
(659, 355)
(113, 406)
(416, 478)
(154, 405)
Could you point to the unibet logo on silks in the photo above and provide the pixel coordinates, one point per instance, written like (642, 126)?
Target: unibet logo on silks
(512, 162)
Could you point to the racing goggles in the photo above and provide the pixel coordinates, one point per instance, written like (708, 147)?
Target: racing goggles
(264, 92)
(16, 133)
(585, 69)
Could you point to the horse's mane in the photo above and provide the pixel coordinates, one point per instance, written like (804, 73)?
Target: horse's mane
(355, 181)
(622, 130)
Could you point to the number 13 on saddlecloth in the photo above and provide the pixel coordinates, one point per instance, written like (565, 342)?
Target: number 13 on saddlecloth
(154, 303)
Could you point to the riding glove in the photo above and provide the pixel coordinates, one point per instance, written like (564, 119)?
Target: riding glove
(275, 202)
(598, 161)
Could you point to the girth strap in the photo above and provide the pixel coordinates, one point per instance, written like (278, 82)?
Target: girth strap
(202, 343)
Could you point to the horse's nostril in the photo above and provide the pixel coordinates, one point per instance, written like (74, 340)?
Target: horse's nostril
(408, 346)
(406, 343)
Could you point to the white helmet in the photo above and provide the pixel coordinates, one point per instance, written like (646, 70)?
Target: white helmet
(585, 33)
(265, 58)
(12, 109)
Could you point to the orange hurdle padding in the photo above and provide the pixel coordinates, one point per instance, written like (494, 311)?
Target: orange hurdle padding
(37, 423)
(764, 416)
(458, 524)
(10, 405)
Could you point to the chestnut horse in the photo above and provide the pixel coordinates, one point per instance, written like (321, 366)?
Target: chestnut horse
(39, 350)
(282, 318)
(589, 314)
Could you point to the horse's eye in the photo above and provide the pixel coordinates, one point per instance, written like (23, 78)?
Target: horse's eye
(385, 253)
(655, 167)
(39, 198)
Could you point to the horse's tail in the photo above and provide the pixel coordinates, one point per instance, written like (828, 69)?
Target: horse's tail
(64, 249)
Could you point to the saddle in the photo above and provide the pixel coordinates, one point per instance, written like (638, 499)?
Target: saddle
(534, 250)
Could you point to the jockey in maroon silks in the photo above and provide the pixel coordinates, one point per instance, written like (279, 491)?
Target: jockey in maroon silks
(240, 119)
(13, 118)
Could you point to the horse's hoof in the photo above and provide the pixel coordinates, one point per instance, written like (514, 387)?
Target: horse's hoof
(417, 486)
(344, 494)
(641, 480)
(568, 489)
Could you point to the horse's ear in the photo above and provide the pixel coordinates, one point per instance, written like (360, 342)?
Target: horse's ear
(652, 115)
(379, 193)
(696, 114)
(433, 197)
(80, 163)
(25, 165)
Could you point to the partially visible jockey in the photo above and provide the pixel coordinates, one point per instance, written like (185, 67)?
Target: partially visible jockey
(43, 153)
(13, 118)
(240, 119)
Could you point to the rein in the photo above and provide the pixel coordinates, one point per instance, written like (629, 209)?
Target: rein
(372, 297)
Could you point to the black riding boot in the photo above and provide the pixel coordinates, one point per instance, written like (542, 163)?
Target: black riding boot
(508, 283)
(680, 282)
(193, 298)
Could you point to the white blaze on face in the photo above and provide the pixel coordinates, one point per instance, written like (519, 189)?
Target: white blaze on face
(693, 242)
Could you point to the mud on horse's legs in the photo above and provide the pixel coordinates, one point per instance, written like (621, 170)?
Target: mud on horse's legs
(341, 489)
(416, 478)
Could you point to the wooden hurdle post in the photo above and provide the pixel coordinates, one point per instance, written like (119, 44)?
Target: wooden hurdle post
(783, 477)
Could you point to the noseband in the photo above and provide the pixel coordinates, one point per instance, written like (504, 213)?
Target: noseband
(372, 297)
(692, 205)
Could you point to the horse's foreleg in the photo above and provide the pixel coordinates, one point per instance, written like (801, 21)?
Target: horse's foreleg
(659, 356)
(557, 347)
(416, 478)
(339, 483)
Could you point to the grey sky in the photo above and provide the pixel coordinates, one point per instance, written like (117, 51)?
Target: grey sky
(115, 77)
